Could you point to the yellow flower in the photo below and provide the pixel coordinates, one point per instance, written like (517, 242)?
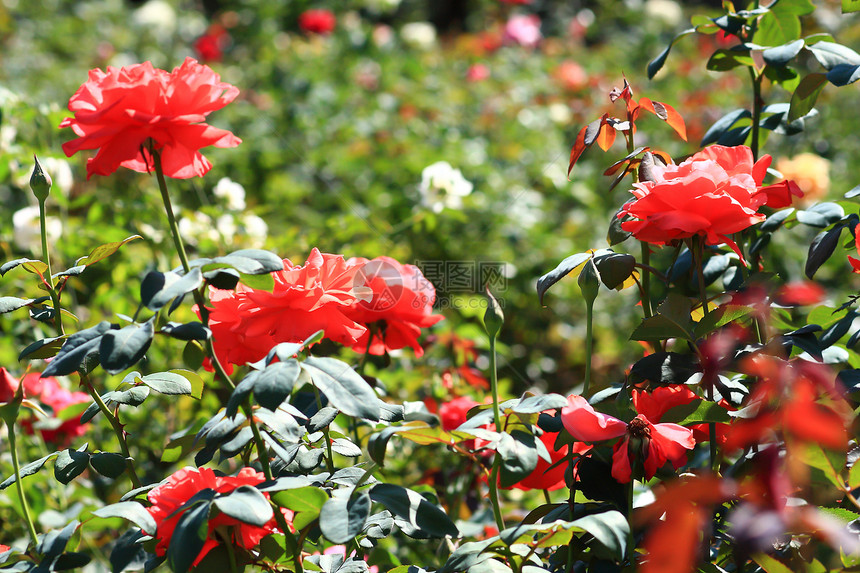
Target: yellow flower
(810, 171)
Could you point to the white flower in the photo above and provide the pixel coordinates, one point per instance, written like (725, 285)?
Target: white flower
(526, 208)
(668, 11)
(27, 234)
(419, 35)
(256, 229)
(226, 226)
(197, 227)
(157, 16)
(233, 192)
(443, 186)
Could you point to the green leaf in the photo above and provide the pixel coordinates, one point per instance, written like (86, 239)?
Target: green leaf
(821, 248)
(75, 349)
(188, 331)
(830, 462)
(274, 384)
(104, 251)
(723, 125)
(246, 504)
(844, 74)
(188, 538)
(305, 502)
(657, 63)
(614, 268)
(10, 303)
(32, 265)
(696, 412)
(831, 54)
(29, 469)
(724, 60)
(260, 282)
(130, 510)
(660, 327)
(781, 55)
(804, 97)
(344, 387)
(564, 268)
(850, 6)
(411, 506)
(854, 476)
(54, 542)
(254, 261)
(770, 564)
(158, 289)
(519, 457)
(171, 383)
(70, 464)
(342, 518)
(108, 464)
(609, 528)
(123, 348)
(41, 349)
(781, 24)
(538, 404)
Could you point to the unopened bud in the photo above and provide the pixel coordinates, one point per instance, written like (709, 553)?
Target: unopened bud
(589, 281)
(40, 182)
(493, 317)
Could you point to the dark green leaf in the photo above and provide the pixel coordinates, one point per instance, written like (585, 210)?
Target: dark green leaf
(614, 268)
(224, 279)
(736, 136)
(72, 272)
(41, 349)
(537, 404)
(342, 518)
(29, 469)
(70, 560)
(843, 74)
(821, 249)
(723, 124)
(274, 384)
(724, 60)
(263, 261)
(121, 349)
(774, 221)
(70, 464)
(188, 538)
(246, 504)
(54, 542)
(563, 269)
(130, 510)
(322, 418)
(305, 502)
(75, 350)
(519, 457)
(610, 528)
(157, 289)
(108, 464)
(188, 331)
(346, 390)
(412, 507)
(663, 368)
(658, 62)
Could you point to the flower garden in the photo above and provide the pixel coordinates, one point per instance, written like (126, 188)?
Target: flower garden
(390, 285)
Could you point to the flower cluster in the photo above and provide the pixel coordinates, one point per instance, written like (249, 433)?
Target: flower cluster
(378, 305)
(48, 392)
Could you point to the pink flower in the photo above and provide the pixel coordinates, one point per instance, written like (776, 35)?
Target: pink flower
(523, 30)
(119, 110)
(653, 444)
(317, 22)
(49, 392)
(478, 73)
(401, 305)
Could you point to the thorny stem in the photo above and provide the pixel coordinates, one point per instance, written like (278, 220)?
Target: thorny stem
(49, 280)
(262, 450)
(25, 507)
(117, 429)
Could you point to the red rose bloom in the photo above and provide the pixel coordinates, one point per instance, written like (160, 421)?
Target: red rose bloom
(210, 46)
(120, 110)
(50, 393)
(247, 322)
(184, 484)
(401, 306)
(714, 193)
(453, 413)
(657, 443)
(317, 22)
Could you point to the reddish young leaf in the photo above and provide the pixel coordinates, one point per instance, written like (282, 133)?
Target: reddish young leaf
(667, 113)
(584, 139)
(606, 136)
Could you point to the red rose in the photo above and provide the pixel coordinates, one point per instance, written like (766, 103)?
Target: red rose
(655, 443)
(210, 46)
(317, 22)
(800, 293)
(181, 486)
(714, 193)
(453, 413)
(119, 110)
(247, 322)
(401, 306)
(50, 393)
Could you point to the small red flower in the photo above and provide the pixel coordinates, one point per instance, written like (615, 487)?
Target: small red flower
(453, 413)
(211, 45)
(477, 72)
(168, 497)
(855, 263)
(401, 306)
(654, 444)
(317, 22)
(319, 295)
(119, 111)
(800, 293)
